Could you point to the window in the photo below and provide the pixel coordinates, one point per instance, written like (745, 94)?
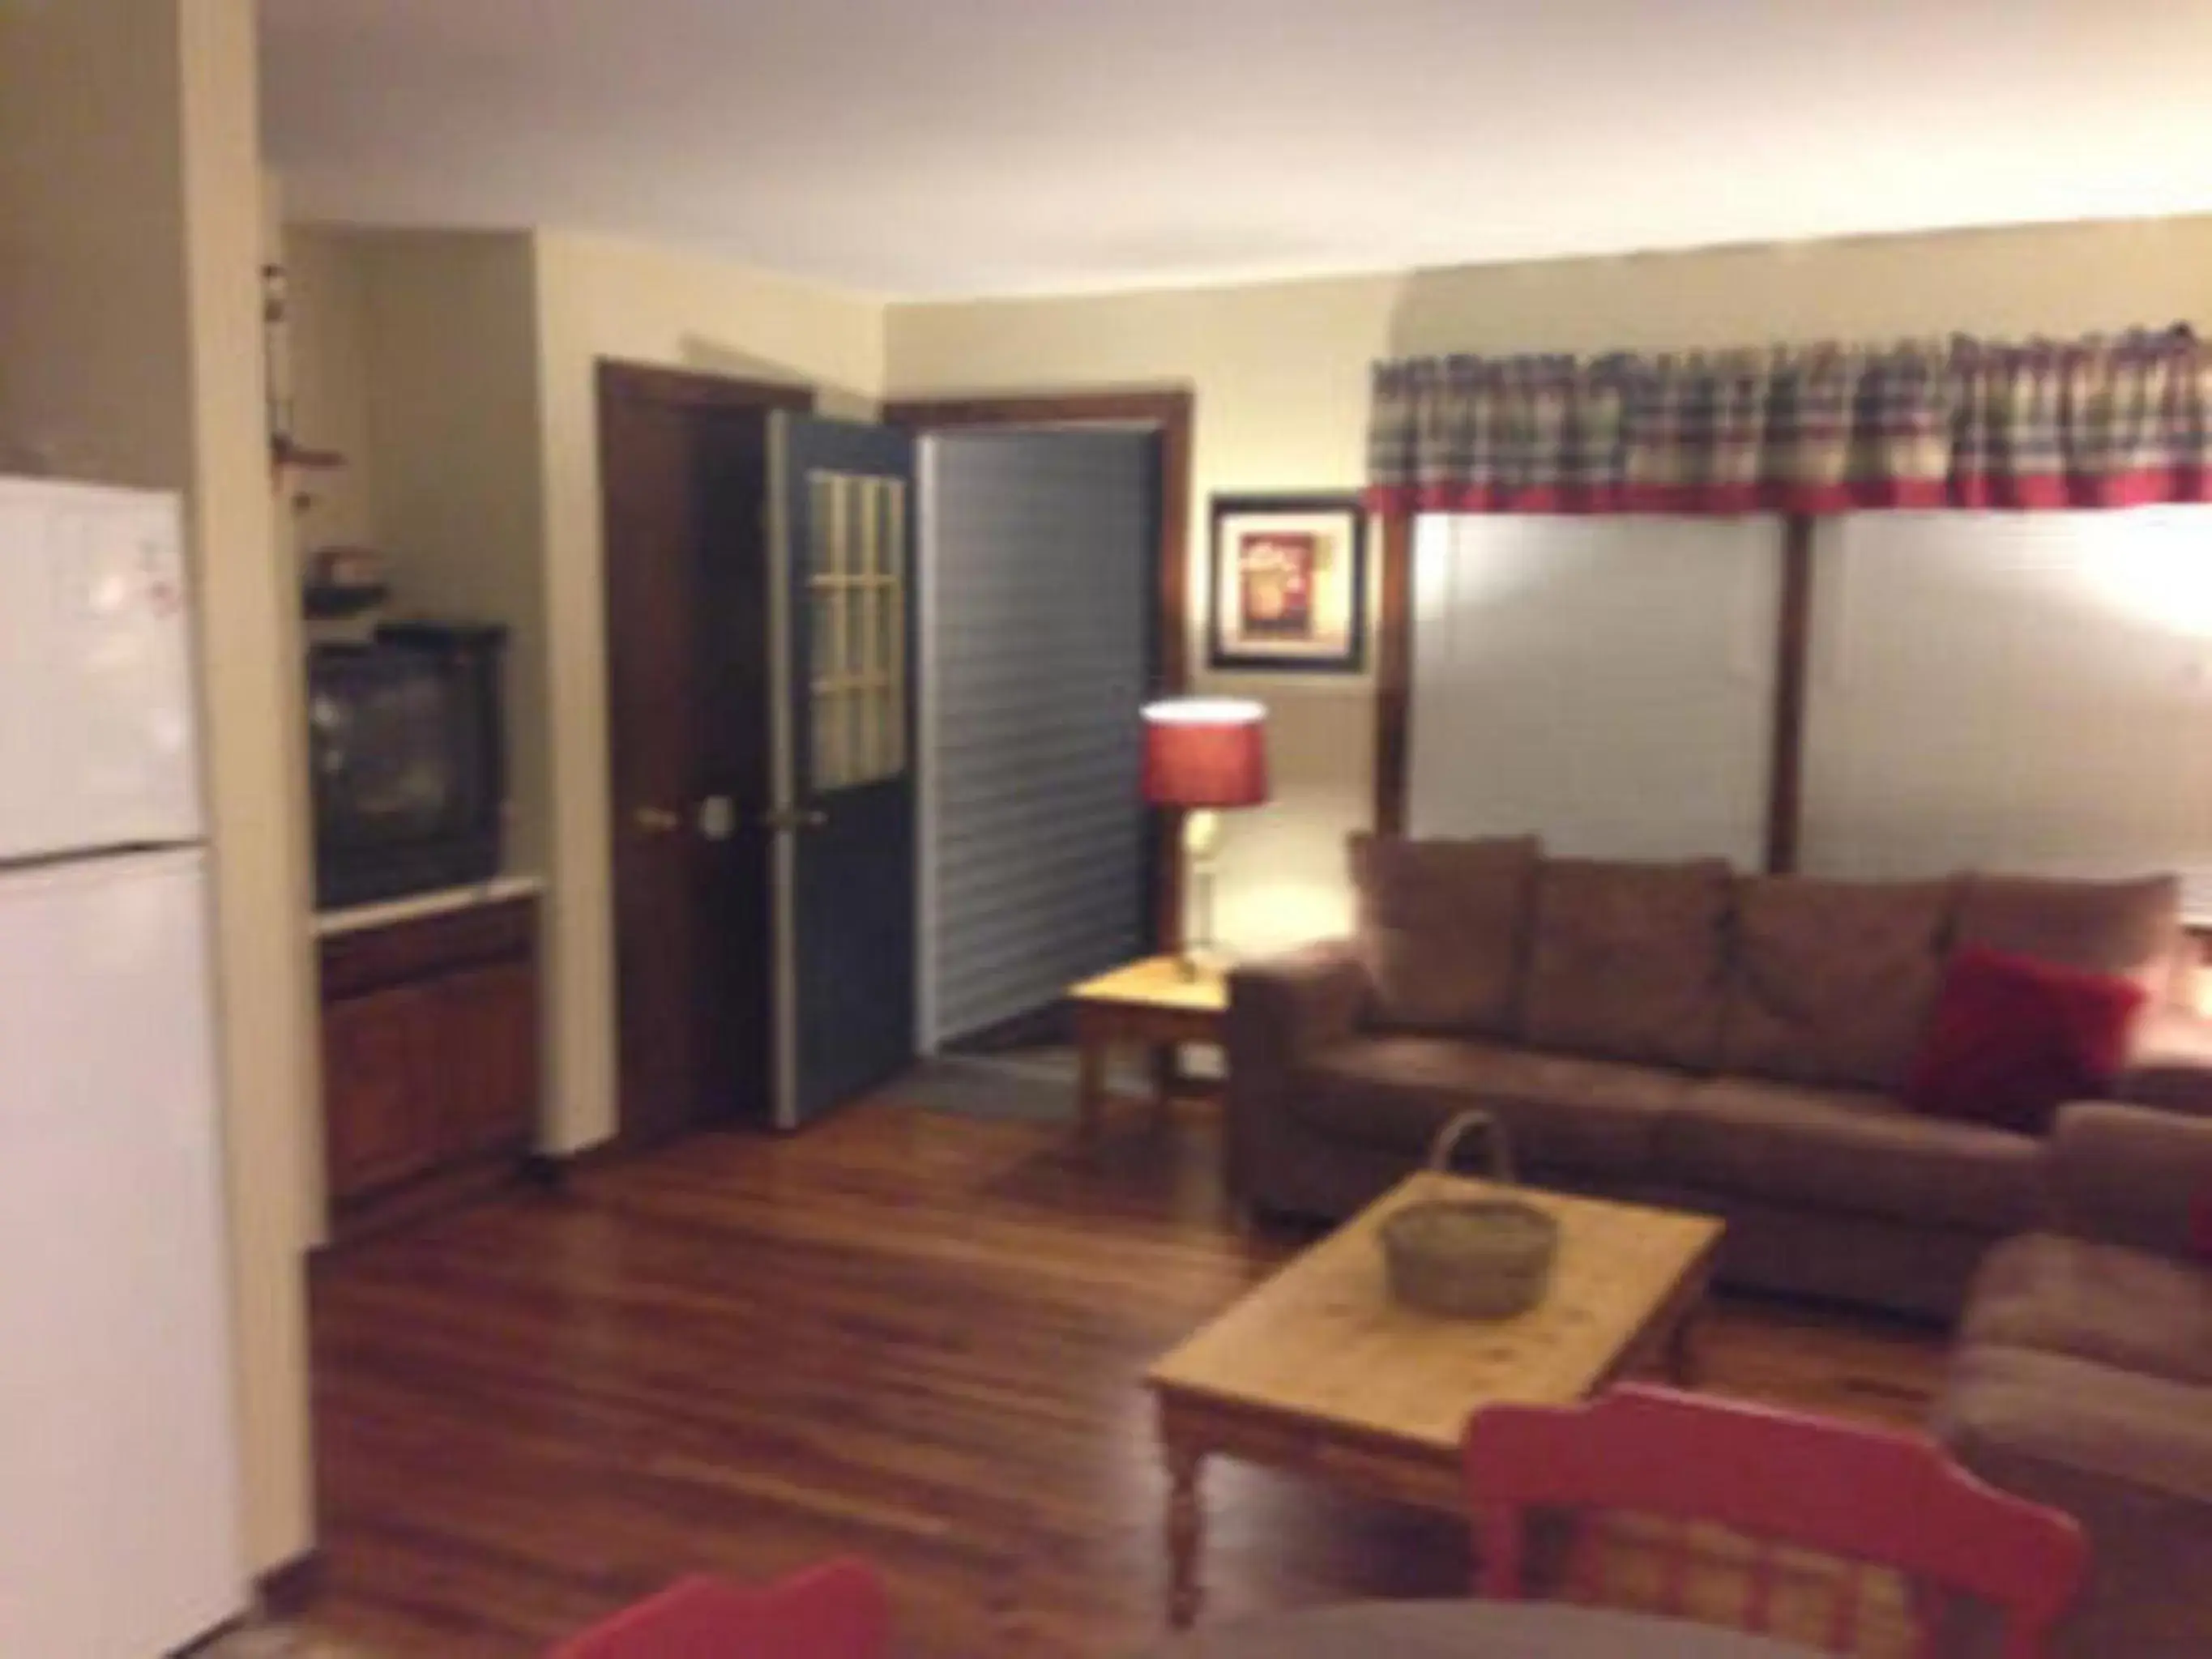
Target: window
(857, 586)
(2022, 691)
(1606, 682)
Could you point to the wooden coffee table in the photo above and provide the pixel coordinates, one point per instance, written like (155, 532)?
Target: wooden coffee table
(1317, 1371)
(1152, 1004)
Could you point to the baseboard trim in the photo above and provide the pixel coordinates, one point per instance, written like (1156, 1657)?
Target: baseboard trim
(551, 1170)
(287, 1589)
(453, 1187)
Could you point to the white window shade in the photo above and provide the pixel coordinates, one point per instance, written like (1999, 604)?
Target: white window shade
(1605, 682)
(2025, 691)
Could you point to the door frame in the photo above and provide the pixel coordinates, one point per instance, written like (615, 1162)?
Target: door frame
(1169, 413)
(691, 388)
(681, 390)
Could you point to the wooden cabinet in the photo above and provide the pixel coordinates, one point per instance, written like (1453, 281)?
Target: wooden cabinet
(488, 1026)
(431, 1077)
(378, 1079)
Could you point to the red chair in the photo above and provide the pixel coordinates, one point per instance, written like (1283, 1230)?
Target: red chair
(834, 1611)
(1861, 1497)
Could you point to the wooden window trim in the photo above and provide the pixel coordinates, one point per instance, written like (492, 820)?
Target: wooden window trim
(1394, 677)
(1793, 639)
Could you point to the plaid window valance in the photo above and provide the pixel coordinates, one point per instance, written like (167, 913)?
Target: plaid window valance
(1828, 429)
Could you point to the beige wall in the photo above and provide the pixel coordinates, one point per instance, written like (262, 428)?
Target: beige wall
(328, 367)
(1280, 376)
(94, 365)
(601, 298)
(130, 204)
(256, 767)
(449, 336)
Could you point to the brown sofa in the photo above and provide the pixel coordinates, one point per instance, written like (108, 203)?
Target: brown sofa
(2083, 1377)
(1678, 1033)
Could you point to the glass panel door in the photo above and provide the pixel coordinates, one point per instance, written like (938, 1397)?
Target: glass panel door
(857, 586)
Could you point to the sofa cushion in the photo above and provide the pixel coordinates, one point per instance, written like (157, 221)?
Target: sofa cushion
(1444, 930)
(2130, 929)
(2014, 1414)
(1853, 1150)
(1629, 961)
(2014, 1038)
(2129, 1457)
(2102, 1302)
(1558, 1113)
(1833, 981)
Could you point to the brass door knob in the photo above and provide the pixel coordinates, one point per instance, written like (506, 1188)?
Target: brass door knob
(808, 818)
(657, 820)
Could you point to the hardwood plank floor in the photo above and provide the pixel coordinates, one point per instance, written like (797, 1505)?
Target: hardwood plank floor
(906, 1334)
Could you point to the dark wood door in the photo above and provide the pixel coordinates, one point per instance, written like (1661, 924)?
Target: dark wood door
(844, 848)
(684, 460)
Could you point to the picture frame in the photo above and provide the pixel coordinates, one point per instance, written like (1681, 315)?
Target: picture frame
(1287, 584)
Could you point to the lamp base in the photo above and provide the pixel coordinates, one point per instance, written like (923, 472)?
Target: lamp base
(1202, 844)
(1195, 963)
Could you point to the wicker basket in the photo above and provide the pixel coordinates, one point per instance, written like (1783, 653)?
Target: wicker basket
(1470, 1258)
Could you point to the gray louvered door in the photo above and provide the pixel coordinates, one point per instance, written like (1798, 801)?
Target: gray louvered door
(1037, 592)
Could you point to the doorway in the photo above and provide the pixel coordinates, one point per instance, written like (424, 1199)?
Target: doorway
(1040, 642)
(765, 746)
(760, 642)
(683, 468)
(1166, 415)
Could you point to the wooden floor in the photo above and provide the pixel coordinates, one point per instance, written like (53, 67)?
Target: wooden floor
(906, 1334)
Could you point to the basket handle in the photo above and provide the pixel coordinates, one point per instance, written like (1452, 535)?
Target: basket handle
(1448, 1138)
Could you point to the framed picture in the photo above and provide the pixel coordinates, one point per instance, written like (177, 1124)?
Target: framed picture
(1289, 584)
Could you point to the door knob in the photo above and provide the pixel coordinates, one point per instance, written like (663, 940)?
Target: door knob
(657, 820)
(797, 817)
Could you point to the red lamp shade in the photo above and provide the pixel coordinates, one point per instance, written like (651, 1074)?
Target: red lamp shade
(1206, 752)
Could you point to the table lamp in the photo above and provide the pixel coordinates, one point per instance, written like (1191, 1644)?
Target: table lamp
(1203, 755)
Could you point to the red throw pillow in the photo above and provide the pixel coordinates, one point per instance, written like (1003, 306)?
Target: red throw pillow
(2013, 1039)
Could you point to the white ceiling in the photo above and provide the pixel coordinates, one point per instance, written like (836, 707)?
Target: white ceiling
(963, 147)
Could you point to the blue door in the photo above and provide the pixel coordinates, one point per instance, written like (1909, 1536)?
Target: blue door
(842, 612)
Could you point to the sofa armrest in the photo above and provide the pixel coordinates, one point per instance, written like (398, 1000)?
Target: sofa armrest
(1286, 1007)
(2131, 1174)
(1281, 1012)
(2171, 1064)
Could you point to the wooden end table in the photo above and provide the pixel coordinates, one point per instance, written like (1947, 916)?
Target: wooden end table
(1319, 1371)
(1154, 1004)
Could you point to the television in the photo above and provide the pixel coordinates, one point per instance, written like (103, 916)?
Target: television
(406, 737)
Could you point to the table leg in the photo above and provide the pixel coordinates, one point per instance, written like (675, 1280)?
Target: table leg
(1185, 1533)
(1090, 1088)
(1681, 1361)
(1165, 1065)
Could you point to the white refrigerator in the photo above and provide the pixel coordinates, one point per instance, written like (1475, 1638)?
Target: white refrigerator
(119, 1533)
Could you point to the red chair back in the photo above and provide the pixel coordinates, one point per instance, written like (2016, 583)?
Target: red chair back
(834, 1611)
(1867, 1496)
